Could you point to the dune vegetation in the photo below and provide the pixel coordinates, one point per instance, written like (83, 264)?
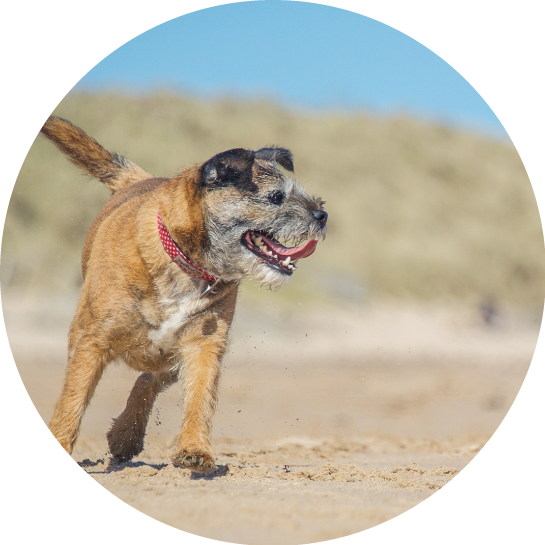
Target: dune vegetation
(416, 209)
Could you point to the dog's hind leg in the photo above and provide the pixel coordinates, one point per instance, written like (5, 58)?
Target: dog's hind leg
(86, 364)
(126, 436)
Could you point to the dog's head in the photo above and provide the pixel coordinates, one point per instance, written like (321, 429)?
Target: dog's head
(259, 222)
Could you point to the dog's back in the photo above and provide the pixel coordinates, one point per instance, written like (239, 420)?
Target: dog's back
(119, 198)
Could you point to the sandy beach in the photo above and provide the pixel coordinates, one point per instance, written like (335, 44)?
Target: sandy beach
(330, 420)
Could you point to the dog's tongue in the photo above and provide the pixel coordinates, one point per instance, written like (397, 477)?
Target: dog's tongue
(299, 252)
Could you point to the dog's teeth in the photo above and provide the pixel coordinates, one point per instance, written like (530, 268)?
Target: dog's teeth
(269, 252)
(257, 240)
(286, 262)
(291, 267)
(275, 256)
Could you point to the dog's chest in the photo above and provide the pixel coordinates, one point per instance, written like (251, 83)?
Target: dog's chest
(175, 312)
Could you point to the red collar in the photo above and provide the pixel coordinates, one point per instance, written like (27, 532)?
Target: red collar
(177, 255)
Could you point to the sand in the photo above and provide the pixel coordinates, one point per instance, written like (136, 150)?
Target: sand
(330, 420)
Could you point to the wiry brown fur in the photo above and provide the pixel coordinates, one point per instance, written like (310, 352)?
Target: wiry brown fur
(85, 152)
(138, 306)
(120, 197)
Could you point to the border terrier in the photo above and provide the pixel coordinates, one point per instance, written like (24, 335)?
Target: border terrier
(162, 263)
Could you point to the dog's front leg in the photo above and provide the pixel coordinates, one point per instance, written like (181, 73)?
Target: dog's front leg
(86, 364)
(200, 373)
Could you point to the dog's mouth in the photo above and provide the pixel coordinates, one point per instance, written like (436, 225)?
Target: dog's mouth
(275, 254)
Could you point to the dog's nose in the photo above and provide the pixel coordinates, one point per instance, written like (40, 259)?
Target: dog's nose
(321, 216)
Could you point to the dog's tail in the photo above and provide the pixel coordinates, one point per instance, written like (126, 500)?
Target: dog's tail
(113, 170)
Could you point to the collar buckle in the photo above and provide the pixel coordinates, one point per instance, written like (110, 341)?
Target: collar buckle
(212, 288)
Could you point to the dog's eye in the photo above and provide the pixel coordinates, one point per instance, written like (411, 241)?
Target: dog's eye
(277, 197)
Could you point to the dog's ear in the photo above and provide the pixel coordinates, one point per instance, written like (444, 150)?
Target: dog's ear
(230, 168)
(281, 156)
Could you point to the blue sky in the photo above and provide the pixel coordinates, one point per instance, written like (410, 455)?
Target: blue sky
(298, 54)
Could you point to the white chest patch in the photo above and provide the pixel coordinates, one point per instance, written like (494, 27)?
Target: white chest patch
(176, 314)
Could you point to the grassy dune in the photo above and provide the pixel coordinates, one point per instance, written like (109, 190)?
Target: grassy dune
(416, 209)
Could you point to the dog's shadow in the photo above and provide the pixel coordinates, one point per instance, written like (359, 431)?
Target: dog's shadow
(220, 471)
(112, 466)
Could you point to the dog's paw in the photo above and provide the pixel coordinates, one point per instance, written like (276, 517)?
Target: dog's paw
(45, 462)
(195, 460)
(124, 442)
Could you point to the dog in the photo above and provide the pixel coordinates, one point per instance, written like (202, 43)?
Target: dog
(162, 263)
